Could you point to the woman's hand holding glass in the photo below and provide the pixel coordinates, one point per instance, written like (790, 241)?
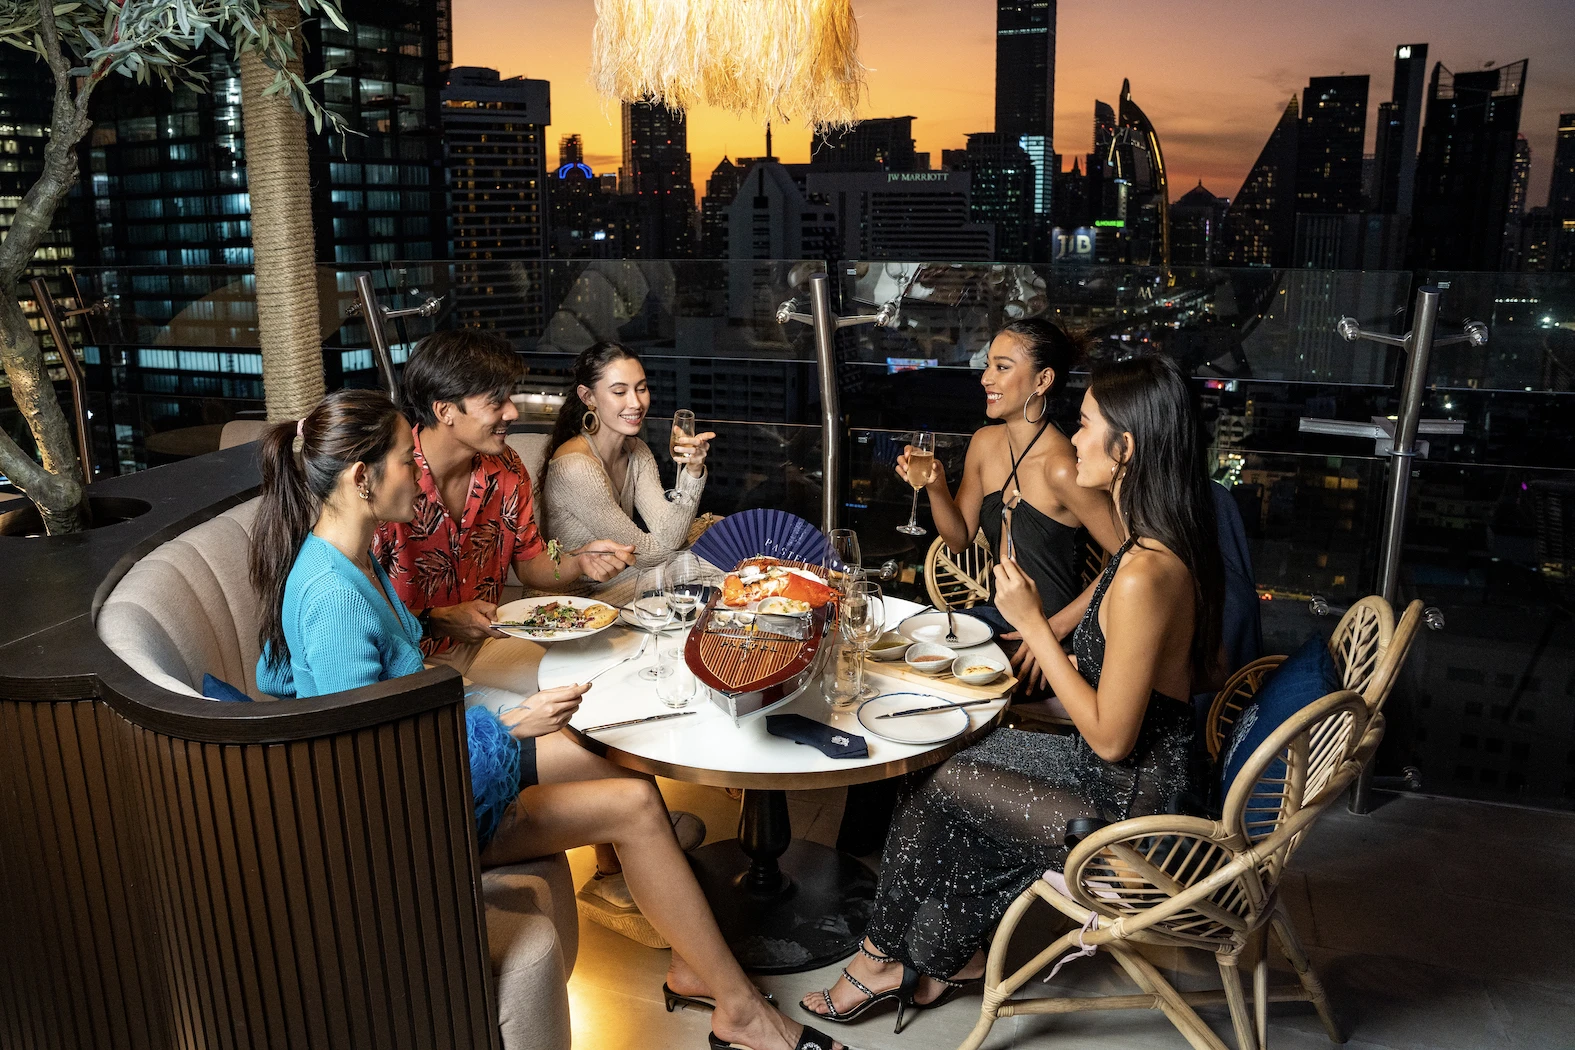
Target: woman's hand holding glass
(937, 476)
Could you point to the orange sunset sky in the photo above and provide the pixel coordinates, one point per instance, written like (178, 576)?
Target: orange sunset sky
(1212, 76)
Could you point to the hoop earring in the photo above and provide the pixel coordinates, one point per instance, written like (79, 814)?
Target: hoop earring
(590, 422)
(1044, 406)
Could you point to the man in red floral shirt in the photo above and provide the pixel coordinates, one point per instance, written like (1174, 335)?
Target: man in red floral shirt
(474, 514)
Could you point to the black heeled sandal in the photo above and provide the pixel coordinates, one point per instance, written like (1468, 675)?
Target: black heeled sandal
(809, 1039)
(705, 1002)
(903, 994)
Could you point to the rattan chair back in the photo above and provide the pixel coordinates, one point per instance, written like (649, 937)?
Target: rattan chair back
(958, 580)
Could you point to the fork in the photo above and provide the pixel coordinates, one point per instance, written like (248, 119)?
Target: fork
(620, 663)
(951, 628)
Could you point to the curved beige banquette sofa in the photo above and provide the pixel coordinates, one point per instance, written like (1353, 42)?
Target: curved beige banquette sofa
(188, 607)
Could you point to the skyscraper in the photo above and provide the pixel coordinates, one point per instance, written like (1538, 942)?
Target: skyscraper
(1195, 225)
(1520, 184)
(1329, 150)
(1148, 194)
(494, 136)
(913, 215)
(877, 144)
(720, 189)
(1025, 95)
(1466, 167)
(655, 176)
(1561, 190)
(1399, 124)
(1001, 191)
(1260, 227)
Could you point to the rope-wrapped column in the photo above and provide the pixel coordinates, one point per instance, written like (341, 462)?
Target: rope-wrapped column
(280, 185)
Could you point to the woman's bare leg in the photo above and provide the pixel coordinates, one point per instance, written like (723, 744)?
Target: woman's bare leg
(559, 760)
(629, 813)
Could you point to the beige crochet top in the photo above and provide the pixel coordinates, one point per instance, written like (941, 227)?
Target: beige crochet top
(579, 505)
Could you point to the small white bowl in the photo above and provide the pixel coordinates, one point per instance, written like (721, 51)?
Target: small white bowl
(929, 658)
(962, 665)
(889, 646)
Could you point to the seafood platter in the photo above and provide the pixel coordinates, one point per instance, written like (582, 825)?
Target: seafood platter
(758, 641)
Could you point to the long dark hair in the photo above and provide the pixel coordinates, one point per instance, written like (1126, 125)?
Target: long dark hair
(1048, 346)
(1165, 487)
(346, 427)
(588, 369)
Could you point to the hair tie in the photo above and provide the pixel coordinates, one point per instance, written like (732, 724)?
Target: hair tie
(300, 428)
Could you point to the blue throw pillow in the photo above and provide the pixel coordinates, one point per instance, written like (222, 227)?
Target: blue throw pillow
(218, 689)
(1307, 675)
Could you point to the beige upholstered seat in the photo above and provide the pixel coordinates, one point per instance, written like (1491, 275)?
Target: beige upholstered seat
(187, 608)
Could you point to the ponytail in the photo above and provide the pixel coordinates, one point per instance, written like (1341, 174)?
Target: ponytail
(346, 427)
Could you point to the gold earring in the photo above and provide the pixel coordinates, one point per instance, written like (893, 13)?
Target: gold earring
(590, 422)
(365, 493)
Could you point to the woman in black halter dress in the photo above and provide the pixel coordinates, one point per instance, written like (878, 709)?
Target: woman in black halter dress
(992, 819)
(1024, 471)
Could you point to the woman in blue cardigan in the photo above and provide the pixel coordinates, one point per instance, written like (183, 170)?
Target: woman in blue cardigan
(331, 621)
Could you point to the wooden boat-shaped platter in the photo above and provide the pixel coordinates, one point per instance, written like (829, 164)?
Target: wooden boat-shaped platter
(746, 675)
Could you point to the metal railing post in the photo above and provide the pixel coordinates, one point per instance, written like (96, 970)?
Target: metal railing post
(825, 326)
(373, 313)
(1419, 347)
(55, 322)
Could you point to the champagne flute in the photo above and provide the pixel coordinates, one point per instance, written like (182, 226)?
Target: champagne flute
(653, 610)
(863, 619)
(921, 463)
(683, 426)
(846, 564)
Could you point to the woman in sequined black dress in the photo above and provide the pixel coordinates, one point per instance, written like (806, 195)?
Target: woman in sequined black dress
(993, 819)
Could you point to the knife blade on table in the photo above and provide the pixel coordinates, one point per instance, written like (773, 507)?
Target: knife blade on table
(939, 707)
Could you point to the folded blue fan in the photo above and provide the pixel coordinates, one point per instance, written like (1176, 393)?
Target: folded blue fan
(751, 533)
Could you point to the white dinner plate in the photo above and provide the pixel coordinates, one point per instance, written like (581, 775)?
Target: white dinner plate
(935, 728)
(520, 609)
(931, 627)
(627, 618)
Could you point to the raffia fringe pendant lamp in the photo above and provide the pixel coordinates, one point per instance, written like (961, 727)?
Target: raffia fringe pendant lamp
(787, 60)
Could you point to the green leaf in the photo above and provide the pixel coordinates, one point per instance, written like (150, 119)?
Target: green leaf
(65, 9)
(324, 75)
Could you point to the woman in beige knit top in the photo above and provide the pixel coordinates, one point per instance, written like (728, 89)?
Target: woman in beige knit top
(599, 472)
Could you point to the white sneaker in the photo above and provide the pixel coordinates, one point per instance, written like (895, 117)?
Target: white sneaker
(606, 901)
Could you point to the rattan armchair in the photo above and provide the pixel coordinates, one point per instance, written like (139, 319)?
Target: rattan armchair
(960, 580)
(1181, 881)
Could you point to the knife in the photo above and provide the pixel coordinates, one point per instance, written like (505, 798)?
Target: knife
(938, 707)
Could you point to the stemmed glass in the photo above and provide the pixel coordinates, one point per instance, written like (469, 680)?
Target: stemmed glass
(863, 620)
(846, 565)
(683, 425)
(653, 609)
(921, 461)
(685, 585)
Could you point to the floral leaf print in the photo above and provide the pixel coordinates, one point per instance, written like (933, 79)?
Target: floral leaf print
(510, 510)
(428, 519)
(436, 572)
(482, 542)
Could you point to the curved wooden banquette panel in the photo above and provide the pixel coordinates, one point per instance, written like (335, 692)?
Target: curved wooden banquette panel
(180, 872)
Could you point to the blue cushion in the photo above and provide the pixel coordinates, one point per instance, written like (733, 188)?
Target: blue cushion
(218, 689)
(1307, 675)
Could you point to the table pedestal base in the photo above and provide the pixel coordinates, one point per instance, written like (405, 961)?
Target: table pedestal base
(783, 905)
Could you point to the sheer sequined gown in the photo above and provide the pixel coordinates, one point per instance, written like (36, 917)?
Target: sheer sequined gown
(974, 834)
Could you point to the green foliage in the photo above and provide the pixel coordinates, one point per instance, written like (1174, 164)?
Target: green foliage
(157, 40)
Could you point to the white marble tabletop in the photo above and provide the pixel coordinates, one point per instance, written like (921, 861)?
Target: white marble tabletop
(706, 747)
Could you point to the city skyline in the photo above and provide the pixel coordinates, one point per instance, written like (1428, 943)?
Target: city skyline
(1213, 117)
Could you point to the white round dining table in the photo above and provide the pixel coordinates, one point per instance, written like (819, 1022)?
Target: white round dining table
(785, 905)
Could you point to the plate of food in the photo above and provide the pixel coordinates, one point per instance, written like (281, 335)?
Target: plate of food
(768, 586)
(555, 619)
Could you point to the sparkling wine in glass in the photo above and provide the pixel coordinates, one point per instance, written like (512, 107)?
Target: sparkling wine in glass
(683, 426)
(653, 609)
(863, 620)
(921, 463)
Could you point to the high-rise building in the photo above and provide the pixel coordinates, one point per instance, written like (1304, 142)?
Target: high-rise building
(1137, 164)
(1195, 219)
(656, 177)
(720, 189)
(1260, 227)
(1519, 186)
(1025, 96)
(1561, 190)
(1329, 150)
(1466, 167)
(877, 144)
(1399, 124)
(1001, 191)
(494, 136)
(571, 150)
(902, 215)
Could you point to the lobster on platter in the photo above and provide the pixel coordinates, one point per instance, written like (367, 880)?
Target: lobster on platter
(757, 579)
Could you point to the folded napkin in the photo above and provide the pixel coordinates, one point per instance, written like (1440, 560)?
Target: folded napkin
(833, 743)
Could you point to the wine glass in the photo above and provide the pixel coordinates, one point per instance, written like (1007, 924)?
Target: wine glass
(685, 586)
(653, 609)
(863, 619)
(921, 462)
(683, 426)
(845, 564)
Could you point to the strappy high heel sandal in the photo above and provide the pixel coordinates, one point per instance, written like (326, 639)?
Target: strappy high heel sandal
(903, 994)
(809, 1039)
(705, 1002)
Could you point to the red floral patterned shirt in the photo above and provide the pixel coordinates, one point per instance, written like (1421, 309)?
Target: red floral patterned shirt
(435, 562)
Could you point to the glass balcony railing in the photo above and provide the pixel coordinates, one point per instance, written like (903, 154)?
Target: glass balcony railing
(1487, 708)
